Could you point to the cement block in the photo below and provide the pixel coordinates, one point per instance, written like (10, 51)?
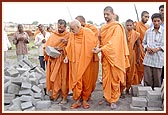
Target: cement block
(34, 101)
(142, 91)
(51, 51)
(36, 89)
(21, 64)
(26, 92)
(42, 80)
(34, 81)
(38, 96)
(28, 62)
(30, 109)
(21, 70)
(26, 98)
(26, 85)
(14, 107)
(43, 104)
(6, 86)
(12, 72)
(154, 95)
(26, 105)
(134, 89)
(132, 108)
(46, 97)
(13, 89)
(16, 101)
(42, 89)
(154, 109)
(139, 102)
(17, 80)
(154, 103)
(38, 75)
(8, 98)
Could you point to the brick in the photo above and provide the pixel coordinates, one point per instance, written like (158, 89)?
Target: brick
(14, 107)
(34, 101)
(26, 105)
(132, 108)
(154, 103)
(17, 80)
(34, 81)
(13, 89)
(26, 85)
(142, 91)
(6, 86)
(26, 92)
(8, 98)
(139, 102)
(21, 70)
(154, 109)
(154, 95)
(36, 89)
(42, 80)
(12, 72)
(134, 89)
(26, 67)
(43, 104)
(38, 75)
(16, 101)
(26, 98)
(51, 51)
(28, 62)
(46, 97)
(38, 96)
(21, 64)
(42, 88)
(30, 109)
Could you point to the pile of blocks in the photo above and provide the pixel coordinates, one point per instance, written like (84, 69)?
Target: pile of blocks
(146, 99)
(24, 87)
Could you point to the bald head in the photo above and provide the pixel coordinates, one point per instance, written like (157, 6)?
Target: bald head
(75, 26)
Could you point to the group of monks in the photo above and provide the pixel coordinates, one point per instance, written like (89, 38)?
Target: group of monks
(76, 69)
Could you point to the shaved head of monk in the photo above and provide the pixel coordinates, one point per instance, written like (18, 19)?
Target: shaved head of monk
(75, 26)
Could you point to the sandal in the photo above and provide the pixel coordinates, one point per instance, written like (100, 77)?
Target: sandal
(101, 102)
(85, 105)
(75, 105)
(113, 106)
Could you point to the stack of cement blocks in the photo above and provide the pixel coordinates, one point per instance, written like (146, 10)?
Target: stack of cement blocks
(146, 99)
(24, 85)
(51, 51)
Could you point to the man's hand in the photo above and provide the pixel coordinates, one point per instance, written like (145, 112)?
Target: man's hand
(149, 50)
(65, 41)
(43, 41)
(65, 60)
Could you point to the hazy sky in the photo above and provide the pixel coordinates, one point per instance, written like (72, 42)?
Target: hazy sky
(50, 12)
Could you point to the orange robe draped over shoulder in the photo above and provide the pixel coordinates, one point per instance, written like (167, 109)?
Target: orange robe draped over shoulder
(114, 59)
(80, 56)
(57, 70)
(131, 73)
(95, 69)
(141, 28)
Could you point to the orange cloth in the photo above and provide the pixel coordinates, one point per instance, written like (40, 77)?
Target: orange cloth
(131, 73)
(114, 59)
(95, 69)
(80, 56)
(141, 28)
(57, 70)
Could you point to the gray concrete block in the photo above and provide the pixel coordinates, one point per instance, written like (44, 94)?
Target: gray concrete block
(51, 51)
(154, 95)
(38, 96)
(132, 108)
(154, 103)
(43, 104)
(158, 89)
(46, 97)
(26, 85)
(28, 62)
(6, 86)
(16, 101)
(26, 67)
(38, 75)
(14, 107)
(20, 63)
(12, 72)
(13, 89)
(17, 80)
(6, 107)
(134, 89)
(8, 98)
(26, 105)
(30, 109)
(139, 102)
(26, 98)
(34, 101)
(21, 70)
(154, 109)
(36, 89)
(34, 81)
(42, 80)
(26, 92)
(142, 91)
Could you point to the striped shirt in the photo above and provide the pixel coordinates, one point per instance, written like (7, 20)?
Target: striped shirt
(154, 40)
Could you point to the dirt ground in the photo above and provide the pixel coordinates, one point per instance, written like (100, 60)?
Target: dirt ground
(97, 95)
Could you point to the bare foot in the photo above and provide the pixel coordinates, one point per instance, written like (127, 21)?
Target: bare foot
(63, 101)
(85, 104)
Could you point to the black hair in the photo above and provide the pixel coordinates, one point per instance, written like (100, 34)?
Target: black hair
(108, 8)
(143, 13)
(156, 15)
(62, 21)
(81, 18)
(161, 6)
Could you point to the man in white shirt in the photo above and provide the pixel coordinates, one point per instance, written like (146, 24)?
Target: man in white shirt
(40, 40)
